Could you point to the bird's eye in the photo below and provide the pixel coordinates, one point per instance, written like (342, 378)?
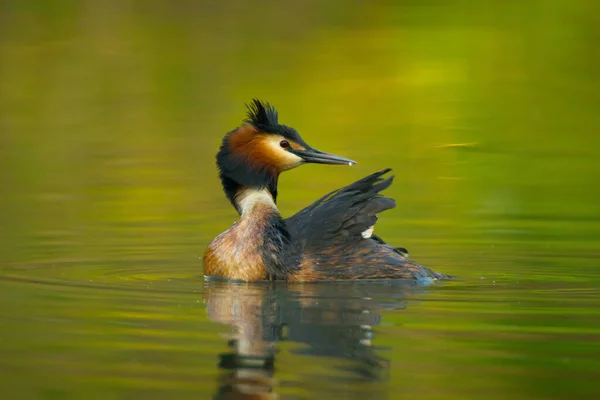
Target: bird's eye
(284, 144)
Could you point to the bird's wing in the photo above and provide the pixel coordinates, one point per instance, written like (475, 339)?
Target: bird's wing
(344, 215)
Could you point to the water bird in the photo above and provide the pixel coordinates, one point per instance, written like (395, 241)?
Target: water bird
(331, 239)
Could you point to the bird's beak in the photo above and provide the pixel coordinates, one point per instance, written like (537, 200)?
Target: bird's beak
(319, 157)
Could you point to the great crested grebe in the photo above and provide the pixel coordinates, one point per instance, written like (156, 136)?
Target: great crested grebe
(332, 239)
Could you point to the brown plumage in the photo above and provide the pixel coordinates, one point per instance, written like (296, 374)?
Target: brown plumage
(329, 235)
(234, 253)
(329, 240)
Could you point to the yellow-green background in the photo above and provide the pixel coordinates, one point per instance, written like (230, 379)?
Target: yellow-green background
(111, 113)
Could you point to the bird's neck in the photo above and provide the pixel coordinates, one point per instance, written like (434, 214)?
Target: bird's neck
(243, 194)
(251, 202)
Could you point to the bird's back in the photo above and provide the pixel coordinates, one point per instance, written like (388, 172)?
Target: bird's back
(334, 236)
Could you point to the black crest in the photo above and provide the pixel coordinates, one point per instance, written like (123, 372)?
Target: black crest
(262, 115)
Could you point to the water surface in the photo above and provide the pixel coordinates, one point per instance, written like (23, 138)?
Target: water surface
(110, 115)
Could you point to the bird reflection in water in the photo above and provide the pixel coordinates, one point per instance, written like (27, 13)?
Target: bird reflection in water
(332, 320)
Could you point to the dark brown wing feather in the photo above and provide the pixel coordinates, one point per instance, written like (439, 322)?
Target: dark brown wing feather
(342, 215)
(328, 235)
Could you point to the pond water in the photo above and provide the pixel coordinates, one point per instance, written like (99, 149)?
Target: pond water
(110, 116)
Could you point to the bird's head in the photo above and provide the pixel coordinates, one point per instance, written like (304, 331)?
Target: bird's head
(257, 152)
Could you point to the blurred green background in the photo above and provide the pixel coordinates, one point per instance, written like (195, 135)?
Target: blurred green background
(111, 113)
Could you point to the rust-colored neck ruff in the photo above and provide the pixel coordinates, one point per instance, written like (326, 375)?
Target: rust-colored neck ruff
(242, 164)
(236, 253)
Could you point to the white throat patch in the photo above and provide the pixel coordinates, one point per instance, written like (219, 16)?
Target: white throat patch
(248, 198)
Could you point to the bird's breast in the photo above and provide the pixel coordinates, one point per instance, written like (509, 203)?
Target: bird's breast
(236, 253)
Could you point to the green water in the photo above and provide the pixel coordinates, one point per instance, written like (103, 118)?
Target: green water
(110, 116)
